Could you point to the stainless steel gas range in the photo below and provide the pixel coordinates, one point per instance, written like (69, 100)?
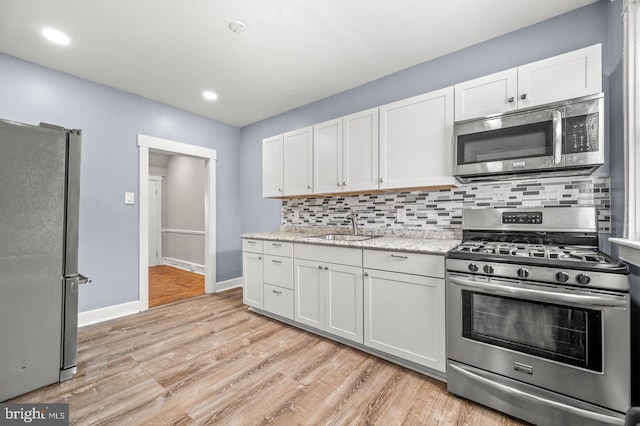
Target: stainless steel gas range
(538, 318)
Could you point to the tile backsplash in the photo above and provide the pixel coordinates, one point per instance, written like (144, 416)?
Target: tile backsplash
(442, 209)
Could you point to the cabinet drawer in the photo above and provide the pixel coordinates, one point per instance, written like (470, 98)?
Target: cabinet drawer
(278, 271)
(254, 246)
(330, 254)
(278, 300)
(278, 248)
(407, 263)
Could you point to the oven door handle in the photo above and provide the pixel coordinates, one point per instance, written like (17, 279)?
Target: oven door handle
(589, 300)
(537, 399)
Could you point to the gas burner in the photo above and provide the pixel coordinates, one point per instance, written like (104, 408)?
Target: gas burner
(539, 251)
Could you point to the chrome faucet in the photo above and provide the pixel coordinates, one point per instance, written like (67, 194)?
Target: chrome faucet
(353, 217)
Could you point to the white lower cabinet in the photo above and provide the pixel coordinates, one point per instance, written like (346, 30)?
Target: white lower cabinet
(278, 300)
(252, 279)
(404, 316)
(328, 297)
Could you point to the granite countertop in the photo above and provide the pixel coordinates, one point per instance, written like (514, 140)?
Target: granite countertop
(413, 245)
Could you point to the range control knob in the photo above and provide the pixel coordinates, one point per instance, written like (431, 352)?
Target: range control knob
(583, 279)
(563, 277)
(488, 269)
(473, 267)
(523, 272)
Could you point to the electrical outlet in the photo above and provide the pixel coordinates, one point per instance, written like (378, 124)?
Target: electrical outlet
(401, 215)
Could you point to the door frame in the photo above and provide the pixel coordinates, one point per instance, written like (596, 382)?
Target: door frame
(158, 230)
(146, 143)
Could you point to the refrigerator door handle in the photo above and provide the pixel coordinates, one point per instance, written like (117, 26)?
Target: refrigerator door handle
(83, 280)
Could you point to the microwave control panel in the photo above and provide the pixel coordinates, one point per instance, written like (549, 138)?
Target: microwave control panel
(581, 134)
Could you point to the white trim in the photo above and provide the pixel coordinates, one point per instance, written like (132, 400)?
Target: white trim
(229, 284)
(158, 180)
(107, 313)
(146, 143)
(183, 231)
(183, 264)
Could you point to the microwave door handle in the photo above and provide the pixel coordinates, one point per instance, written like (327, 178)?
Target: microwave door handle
(557, 136)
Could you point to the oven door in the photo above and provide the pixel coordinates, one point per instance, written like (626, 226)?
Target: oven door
(509, 144)
(570, 341)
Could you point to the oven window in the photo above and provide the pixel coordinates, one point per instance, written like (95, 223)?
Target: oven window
(560, 333)
(525, 141)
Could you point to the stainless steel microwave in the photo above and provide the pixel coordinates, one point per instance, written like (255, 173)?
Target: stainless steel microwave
(555, 139)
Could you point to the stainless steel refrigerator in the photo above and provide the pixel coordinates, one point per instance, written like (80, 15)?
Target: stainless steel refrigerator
(39, 194)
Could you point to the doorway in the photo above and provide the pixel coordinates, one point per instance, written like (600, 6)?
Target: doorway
(147, 144)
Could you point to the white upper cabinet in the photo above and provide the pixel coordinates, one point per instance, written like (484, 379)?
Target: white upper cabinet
(360, 151)
(574, 74)
(272, 177)
(346, 153)
(327, 148)
(486, 95)
(570, 75)
(416, 141)
(298, 162)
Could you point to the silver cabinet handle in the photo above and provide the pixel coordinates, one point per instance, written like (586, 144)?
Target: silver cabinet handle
(276, 261)
(280, 189)
(308, 186)
(366, 274)
(276, 244)
(251, 242)
(319, 266)
(398, 256)
(326, 268)
(344, 183)
(381, 179)
(277, 292)
(523, 96)
(511, 99)
(338, 184)
(259, 257)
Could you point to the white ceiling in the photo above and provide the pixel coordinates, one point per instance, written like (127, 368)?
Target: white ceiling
(294, 51)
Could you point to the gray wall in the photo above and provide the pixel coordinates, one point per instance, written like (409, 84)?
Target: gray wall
(110, 120)
(583, 27)
(183, 209)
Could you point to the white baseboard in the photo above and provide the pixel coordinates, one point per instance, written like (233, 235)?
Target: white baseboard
(107, 313)
(183, 264)
(229, 284)
(116, 311)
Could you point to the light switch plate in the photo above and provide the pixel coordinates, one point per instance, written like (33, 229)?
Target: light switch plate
(129, 197)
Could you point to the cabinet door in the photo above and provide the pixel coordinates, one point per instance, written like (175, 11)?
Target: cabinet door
(404, 316)
(272, 183)
(486, 95)
(416, 141)
(360, 151)
(573, 74)
(309, 293)
(252, 279)
(344, 301)
(298, 162)
(327, 148)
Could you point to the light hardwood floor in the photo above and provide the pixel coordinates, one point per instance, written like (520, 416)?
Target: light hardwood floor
(208, 360)
(168, 284)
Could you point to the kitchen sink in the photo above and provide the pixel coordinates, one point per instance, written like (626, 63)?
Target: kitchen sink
(342, 237)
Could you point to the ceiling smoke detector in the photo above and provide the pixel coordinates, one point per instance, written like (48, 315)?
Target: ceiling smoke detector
(238, 27)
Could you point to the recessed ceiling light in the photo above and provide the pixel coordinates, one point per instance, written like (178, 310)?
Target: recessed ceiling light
(238, 27)
(209, 95)
(56, 36)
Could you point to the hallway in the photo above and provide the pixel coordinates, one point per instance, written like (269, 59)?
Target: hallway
(168, 284)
